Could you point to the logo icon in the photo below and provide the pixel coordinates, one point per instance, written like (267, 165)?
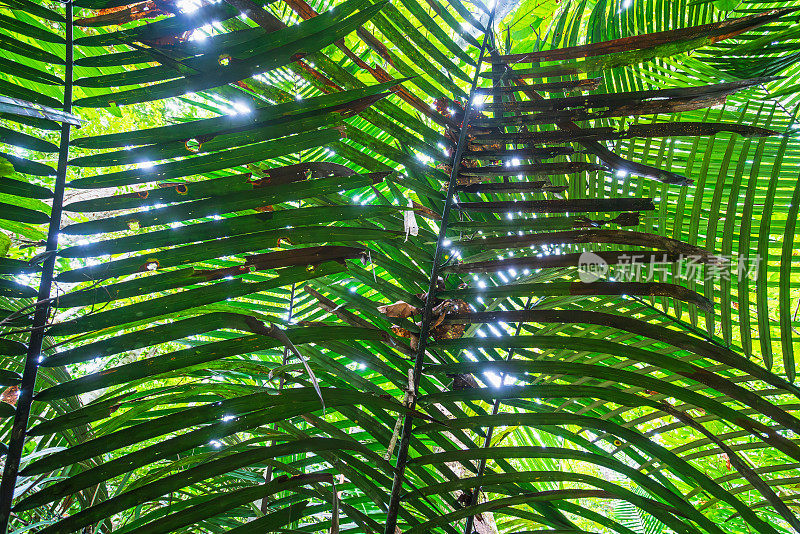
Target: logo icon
(591, 267)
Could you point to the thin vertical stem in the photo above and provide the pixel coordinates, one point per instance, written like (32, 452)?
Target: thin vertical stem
(284, 362)
(474, 497)
(402, 452)
(19, 429)
(490, 433)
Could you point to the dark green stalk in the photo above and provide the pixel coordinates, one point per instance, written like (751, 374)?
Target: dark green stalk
(402, 452)
(34, 354)
(488, 441)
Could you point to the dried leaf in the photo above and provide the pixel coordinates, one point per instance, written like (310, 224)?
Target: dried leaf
(399, 309)
(401, 332)
(10, 395)
(129, 13)
(441, 331)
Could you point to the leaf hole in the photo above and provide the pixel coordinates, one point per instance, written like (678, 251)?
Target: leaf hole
(193, 145)
(256, 182)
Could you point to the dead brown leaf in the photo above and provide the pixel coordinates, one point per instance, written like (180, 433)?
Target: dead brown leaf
(399, 309)
(10, 395)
